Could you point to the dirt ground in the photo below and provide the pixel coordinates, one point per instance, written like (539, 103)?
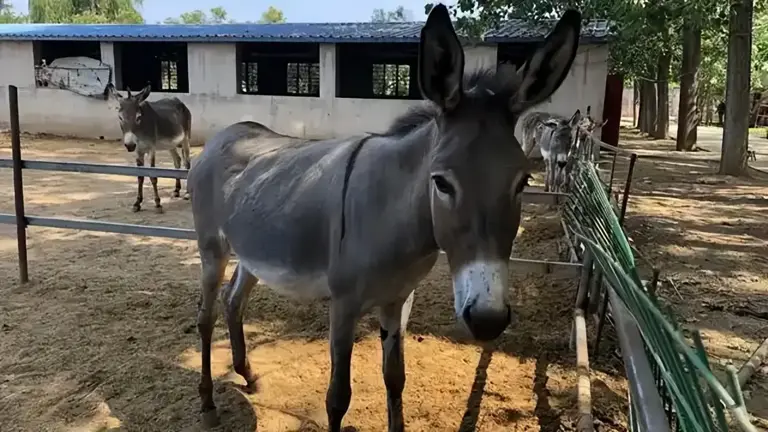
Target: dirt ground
(104, 336)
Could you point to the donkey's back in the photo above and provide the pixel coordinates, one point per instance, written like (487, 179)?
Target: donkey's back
(266, 197)
(173, 119)
(535, 132)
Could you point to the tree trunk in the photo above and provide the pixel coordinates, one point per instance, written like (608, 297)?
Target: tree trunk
(688, 114)
(635, 103)
(647, 107)
(662, 88)
(641, 101)
(733, 157)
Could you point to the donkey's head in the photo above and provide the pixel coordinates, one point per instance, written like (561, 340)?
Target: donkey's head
(478, 170)
(587, 127)
(129, 113)
(562, 134)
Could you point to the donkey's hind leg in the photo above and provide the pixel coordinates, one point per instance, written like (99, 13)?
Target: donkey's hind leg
(187, 160)
(176, 164)
(214, 255)
(234, 297)
(393, 319)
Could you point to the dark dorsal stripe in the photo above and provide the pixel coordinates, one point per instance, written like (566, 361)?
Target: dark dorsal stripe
(347, 173)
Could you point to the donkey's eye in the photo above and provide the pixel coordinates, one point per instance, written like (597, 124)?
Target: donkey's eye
(443, 185)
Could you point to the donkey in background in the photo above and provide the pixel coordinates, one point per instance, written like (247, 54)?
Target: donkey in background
(586, 129)
(164, 124)
(361, 220)
(554, 135)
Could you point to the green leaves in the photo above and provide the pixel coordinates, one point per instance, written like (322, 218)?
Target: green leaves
(85, 12)
(218, 16)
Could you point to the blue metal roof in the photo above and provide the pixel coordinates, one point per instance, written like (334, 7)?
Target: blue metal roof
(513, 31)
(517, 30)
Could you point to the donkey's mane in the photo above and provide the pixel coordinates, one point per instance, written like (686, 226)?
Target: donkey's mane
(480, 85)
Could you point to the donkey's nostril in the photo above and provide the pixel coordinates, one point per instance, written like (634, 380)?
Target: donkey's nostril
(562, 164)
(486, 325)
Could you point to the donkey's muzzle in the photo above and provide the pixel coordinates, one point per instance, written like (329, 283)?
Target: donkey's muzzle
(486, 325)
(130, 147)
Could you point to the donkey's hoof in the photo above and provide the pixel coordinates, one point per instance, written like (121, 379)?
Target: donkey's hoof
(176, 194)
(136, 208)
(186, 196)
(210, 419)
(159, 209)
(251, 386)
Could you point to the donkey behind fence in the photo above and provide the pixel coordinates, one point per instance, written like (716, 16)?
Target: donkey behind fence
(164, 124)
(554, 135)
(361, 220)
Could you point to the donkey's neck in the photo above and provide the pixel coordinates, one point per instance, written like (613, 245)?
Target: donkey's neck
(409, 206)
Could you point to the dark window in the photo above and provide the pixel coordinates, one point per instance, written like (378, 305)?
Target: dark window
(279, 69)
(514, 54)
(390, 80)
(169, 80)
(249, 74)
(303, 79)
(163, 65)
(52, 50)
(377, 70)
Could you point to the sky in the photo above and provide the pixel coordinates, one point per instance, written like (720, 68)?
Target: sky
(294, 10)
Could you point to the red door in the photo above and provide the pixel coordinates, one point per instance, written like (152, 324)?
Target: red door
(614, 89)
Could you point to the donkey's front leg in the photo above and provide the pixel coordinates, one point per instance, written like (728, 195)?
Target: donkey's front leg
(140, 193)
(547, 171)
(234, 296)
(393, 319)
(345, 312)
(153, 180)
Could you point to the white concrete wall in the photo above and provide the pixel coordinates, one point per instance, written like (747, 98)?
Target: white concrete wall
(215, 103)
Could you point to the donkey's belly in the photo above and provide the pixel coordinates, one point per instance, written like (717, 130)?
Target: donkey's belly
(288, 282)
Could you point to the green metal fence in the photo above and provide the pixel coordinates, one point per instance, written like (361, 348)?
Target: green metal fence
(693, 399)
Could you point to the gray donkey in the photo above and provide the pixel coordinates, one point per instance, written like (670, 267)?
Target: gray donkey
(164, 124)
(553, 134)
(587, 127)
(361, 220)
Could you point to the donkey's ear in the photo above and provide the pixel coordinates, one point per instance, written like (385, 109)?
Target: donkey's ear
(441, 60)
(575, 118)
(128, 92)
(112, 93)
(546, 69)
(143, 94)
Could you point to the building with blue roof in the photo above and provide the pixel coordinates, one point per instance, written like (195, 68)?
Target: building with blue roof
(305, 79)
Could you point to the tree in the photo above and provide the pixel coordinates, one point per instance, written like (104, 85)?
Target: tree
(733, 158)
(217, 16)
(688, 117)
(272, 16)
(398, 15)
(85, 11)
(8, 16)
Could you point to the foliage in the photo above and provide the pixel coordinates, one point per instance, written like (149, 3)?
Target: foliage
(217, 16)
(272, 16)
(85, 11)
(8, 16)
(398, 15)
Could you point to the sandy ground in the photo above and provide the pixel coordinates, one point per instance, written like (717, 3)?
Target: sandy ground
(104, 336)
